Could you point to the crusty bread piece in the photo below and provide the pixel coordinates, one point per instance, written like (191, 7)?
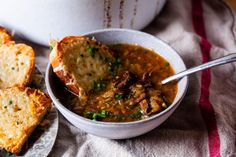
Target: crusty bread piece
(16, 65)
(21, 110)
(5, 37)
(79, 62)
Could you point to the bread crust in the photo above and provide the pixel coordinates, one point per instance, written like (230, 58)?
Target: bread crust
(5, 37)
(38, 103)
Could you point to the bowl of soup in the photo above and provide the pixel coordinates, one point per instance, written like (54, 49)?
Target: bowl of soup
(134, 101)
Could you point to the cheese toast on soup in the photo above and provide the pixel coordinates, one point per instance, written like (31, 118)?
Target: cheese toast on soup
(16, 65)
(21, 110)
(79, 62)
(5, 37)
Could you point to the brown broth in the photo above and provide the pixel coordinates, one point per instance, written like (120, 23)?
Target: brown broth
(137, 60)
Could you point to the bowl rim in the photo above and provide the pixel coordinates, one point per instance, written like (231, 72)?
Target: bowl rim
(137, 122)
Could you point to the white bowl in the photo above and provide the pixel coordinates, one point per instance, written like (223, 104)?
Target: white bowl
(123, 130)
(40, 20)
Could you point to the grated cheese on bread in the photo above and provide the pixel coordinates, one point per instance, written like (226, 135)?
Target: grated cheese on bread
(21, 110)
(5, 37)
(79, 62)
(16, 65)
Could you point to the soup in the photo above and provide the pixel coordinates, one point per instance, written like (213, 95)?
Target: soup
(133, 92)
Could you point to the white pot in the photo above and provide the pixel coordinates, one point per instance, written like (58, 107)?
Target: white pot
(40, 20)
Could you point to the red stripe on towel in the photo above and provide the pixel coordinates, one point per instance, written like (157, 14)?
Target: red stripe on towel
(204, 102)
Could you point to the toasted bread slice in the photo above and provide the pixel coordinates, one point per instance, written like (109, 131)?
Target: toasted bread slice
(21, 110)
(16, 65)
(79, 62)
(5, 37)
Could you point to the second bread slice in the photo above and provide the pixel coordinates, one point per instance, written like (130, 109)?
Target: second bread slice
(21, 110)
(16, 65)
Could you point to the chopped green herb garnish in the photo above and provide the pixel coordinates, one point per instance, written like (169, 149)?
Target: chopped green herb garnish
(96, 115)
(10, 102)
(113, 88)
(50, 47)
(104, 112)
(12, 68)
(113, 66)
(136, 115)
(5, 106)
(92, 50)
(99, 85)
(118, 96)
(167, 64)
(119, 117)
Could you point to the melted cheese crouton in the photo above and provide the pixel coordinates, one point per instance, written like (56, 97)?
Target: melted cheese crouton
(79, 62)
(21, 110)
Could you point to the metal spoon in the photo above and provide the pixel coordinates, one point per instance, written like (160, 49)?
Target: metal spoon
(216, 62)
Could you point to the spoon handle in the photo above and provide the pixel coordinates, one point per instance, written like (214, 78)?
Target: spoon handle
(216, 62)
